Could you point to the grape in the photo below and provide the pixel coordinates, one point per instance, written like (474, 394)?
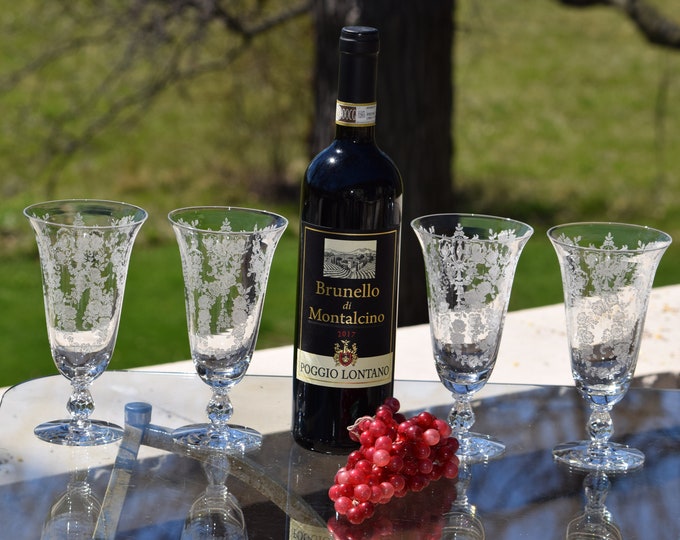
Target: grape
(443, 427)
(397, 455)
(384, 414)
(387, 490)
(431, 436)
(342, 476)
(343, 504)
(398, 482)
(366, 438)
(414, 432)
(421, 450)
(425, 419)
(381, 458)
(356, 477)
(425, 466)
(393, 404)
(395, 464)
(383, 443)
(362, 492)
(377, 428)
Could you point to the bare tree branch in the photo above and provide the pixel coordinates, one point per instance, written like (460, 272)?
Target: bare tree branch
(658, 28)
(152, 45)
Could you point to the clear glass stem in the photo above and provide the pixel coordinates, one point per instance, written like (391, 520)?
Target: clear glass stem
(461, 418)
(600, 428)
(219, 411)
(80, 406)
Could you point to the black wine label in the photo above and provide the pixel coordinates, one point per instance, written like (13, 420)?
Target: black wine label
(347, 316)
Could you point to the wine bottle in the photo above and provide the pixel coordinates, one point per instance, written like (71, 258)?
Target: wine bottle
(350, 231)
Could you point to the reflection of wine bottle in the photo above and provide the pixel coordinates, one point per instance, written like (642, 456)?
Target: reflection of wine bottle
(350, 220)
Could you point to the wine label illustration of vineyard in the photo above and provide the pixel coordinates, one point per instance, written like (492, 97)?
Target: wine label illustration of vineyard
(349, 259)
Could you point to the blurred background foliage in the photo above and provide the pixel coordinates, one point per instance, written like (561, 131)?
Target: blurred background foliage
(560, 115)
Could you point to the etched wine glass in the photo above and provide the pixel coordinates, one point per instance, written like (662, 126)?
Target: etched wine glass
(607, 274)
(84, 247)
(226, 257)
(470, 263)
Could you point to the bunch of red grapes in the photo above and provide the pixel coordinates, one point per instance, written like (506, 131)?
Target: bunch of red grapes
(396, 456)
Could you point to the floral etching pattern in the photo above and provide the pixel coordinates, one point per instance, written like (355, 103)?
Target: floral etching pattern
(84, 271)
(606, 286)
(223, 277)
(468, 289)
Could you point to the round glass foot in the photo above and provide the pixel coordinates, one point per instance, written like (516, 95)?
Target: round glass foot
(64, 432)
(478, 448)
(236, 439)
(612, 458)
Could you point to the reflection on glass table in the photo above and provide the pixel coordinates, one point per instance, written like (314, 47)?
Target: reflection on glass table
(595, 521)
(462, 521)
(216, 513)
(74, 514)
(523, 495)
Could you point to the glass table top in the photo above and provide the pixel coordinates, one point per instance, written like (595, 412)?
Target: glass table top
(281, 489)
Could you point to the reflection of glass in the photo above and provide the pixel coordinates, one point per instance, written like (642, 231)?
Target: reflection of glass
(470, 264)
(84, 248)
(216, 514)
(74, 515)
(226, 256)
(462, 521)
(595, 523)
(607, 273)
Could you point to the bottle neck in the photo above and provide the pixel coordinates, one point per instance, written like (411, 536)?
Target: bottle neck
(357, 89)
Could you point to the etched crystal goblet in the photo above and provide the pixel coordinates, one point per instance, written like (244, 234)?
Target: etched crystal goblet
(226, 257)
(607, 274)
(470, 263)
(84, 247)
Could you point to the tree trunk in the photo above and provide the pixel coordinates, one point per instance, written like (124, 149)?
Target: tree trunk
(415, 110)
